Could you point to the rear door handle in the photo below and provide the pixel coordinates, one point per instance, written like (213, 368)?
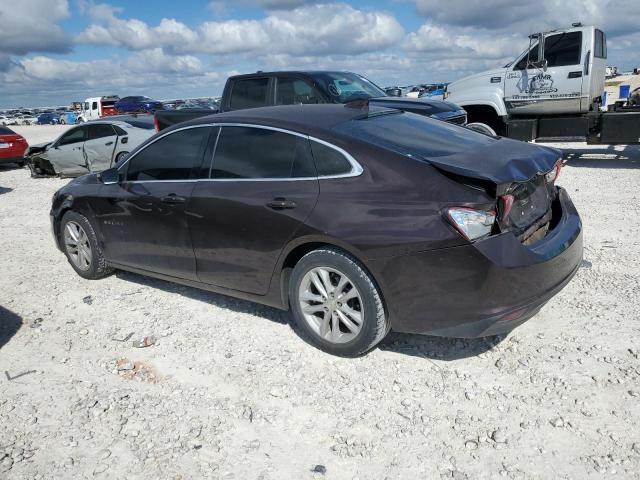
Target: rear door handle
(173, 199)
(280, 203)
(109, 143)
(575, 74)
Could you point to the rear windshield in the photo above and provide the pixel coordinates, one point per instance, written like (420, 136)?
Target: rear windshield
(415, 135)
(6, 131)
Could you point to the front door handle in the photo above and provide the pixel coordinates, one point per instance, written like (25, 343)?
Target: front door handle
(575, 74)
(173, 199)
(280, 203)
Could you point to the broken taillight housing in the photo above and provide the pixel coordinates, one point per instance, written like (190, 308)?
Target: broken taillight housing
(472, 224)
(553, 175)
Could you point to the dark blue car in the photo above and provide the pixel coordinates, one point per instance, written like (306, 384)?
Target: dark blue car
(49, 119)
(137, 104)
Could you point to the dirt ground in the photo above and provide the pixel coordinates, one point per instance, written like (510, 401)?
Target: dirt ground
(230, 391)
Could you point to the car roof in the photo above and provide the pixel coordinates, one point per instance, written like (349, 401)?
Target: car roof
(290, 72)
(311, 119)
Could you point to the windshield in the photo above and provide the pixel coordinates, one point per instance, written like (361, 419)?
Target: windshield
(345, 87)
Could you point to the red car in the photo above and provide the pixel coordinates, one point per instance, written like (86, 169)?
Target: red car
(12, 147)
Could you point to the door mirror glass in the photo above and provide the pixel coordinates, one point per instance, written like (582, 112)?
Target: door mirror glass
(109, 176)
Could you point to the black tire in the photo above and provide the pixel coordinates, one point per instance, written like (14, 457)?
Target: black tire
(98, 267)
(120, 157)
(375, 324)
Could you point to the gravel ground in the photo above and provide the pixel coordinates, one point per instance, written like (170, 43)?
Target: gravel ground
(230, 391)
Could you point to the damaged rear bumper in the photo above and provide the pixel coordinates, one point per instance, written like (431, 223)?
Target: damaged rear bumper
(484, 288)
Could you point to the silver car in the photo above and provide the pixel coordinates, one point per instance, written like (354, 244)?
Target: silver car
(90, 147)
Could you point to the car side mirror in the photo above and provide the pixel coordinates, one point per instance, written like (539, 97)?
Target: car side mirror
(109, 176)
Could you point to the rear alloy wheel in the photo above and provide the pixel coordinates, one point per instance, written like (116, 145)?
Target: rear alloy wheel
(81, 247)
(336, 303)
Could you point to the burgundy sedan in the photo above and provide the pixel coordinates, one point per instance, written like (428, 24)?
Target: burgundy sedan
(12, 146)
(358, 219)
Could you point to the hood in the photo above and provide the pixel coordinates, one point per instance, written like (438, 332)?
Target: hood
(478, 77)
(501, 162)
(37, 148)
(425, 106)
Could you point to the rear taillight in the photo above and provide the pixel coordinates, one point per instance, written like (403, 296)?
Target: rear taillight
(155, 124)
(472, 224)
(553, 175)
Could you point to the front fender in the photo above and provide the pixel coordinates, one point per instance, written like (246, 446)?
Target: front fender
(488, 98)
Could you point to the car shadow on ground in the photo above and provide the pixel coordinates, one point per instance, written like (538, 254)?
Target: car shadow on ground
(215, 299)
(423, 346)
(611, 157)
(438, 348)
(10, 166)
(10, 323)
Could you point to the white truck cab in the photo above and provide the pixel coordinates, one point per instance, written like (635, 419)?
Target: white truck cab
(561, 73)
(97, 107)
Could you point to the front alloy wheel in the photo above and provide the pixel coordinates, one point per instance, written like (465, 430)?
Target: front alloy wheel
(78, 246)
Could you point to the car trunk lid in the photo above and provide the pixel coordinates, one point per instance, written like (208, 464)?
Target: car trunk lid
(513, 172)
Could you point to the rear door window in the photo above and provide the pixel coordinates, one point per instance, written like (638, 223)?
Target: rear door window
(249, 93)
(172, 157)
(100, 131)
(259, 153)
(329, 161)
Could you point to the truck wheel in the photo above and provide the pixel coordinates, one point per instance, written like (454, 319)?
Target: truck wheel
(82, 248)
(482, 128)
(336, 303)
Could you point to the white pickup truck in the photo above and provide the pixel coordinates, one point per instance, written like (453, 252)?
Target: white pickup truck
(553, 89)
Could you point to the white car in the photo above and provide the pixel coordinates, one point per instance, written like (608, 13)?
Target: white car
(4, 120)
(90, 147)
(29, 120)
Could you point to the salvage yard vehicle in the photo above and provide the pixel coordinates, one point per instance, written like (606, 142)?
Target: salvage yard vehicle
(12, 147)
(263, 89)
(48, 119)
(98, 107)
(68, 118)
(553, 90)
(359, 219)
(137, 104)
(90, 147)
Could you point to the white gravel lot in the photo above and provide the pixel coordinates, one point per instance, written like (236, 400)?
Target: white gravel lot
(230, 391)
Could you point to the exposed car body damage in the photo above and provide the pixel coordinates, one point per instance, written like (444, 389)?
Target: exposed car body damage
(90, 147)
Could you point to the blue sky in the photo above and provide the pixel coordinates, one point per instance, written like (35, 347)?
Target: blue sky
(167, 48)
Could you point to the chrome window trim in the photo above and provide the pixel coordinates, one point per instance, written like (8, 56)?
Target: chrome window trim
(356, 168)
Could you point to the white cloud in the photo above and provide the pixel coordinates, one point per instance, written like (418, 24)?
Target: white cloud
(32, 26)
(310, 29)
